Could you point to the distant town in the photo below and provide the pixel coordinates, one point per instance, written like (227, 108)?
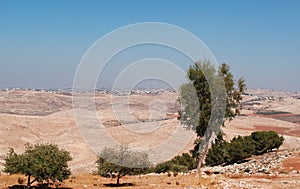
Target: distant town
(121, 92)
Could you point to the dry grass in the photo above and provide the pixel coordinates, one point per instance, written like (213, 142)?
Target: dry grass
(83, 181)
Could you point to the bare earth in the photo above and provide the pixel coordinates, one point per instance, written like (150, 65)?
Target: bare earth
(43, 117)
(40, 117)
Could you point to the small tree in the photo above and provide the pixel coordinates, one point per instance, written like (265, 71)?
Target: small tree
(43, 162)
(122, 162)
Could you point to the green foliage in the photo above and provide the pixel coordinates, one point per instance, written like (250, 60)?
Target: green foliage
(44, 162)
(180, 163)
(240, 148)
(197, 106)
(185, 160)
(122, 162)
(218, 153)
(266, 141)
(164, 167)
(197, 97)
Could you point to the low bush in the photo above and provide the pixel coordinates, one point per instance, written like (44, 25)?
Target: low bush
(240, 148)
(180, 163)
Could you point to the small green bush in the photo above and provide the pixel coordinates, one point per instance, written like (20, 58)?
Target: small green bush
(180, 163)
(163, 167)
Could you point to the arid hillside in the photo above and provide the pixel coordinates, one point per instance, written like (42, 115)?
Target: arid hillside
(135, 120)
(147, 120)
(45, 117)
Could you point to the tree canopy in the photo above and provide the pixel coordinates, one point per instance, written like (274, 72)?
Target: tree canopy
(265, 141)
(122, 162)
(43, 162)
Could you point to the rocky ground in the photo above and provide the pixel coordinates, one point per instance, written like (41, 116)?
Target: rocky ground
(270, 164)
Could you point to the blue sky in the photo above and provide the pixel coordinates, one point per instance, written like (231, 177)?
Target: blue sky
(42, 42)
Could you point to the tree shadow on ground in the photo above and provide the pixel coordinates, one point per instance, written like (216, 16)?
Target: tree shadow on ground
(36, 187)
(118, 185)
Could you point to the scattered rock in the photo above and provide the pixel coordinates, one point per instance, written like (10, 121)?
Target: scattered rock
(265, 164)
(294, 172)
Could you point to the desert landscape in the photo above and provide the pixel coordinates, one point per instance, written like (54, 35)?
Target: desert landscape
(132, 94)
(29, 116)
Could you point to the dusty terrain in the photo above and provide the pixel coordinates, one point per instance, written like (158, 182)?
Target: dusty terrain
(83, 181)
(39, 117)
